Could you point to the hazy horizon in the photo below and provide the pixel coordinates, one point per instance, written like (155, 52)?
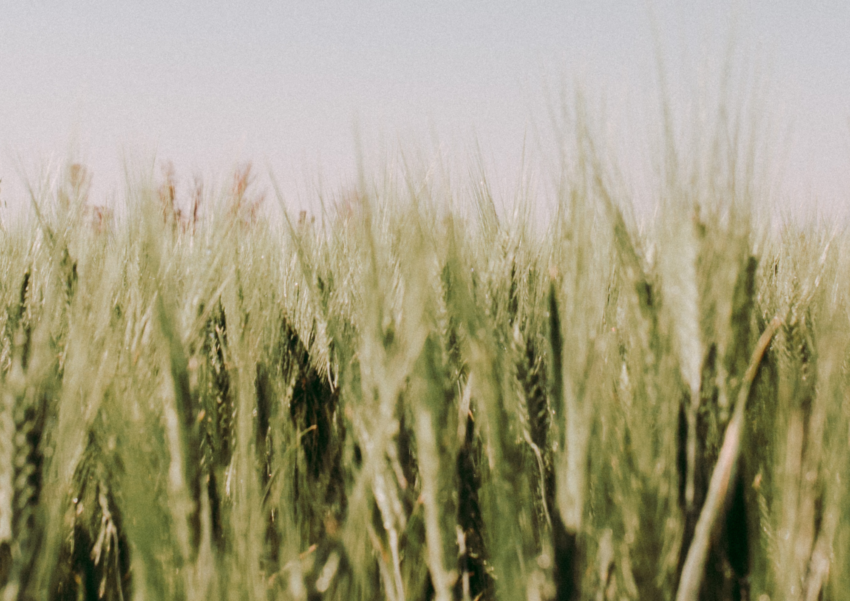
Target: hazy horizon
(297, 89)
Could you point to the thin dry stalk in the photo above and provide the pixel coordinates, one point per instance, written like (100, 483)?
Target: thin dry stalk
(718, 488)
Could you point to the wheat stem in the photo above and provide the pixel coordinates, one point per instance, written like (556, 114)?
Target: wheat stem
(718, 488)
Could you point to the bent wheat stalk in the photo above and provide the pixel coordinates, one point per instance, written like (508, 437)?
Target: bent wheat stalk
(718, 488)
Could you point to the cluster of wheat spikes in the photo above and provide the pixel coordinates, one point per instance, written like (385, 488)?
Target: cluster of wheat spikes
(405, 401)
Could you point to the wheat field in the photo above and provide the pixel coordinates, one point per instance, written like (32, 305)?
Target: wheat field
(419, 396)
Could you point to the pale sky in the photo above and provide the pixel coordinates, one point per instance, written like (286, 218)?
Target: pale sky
(286, 84)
